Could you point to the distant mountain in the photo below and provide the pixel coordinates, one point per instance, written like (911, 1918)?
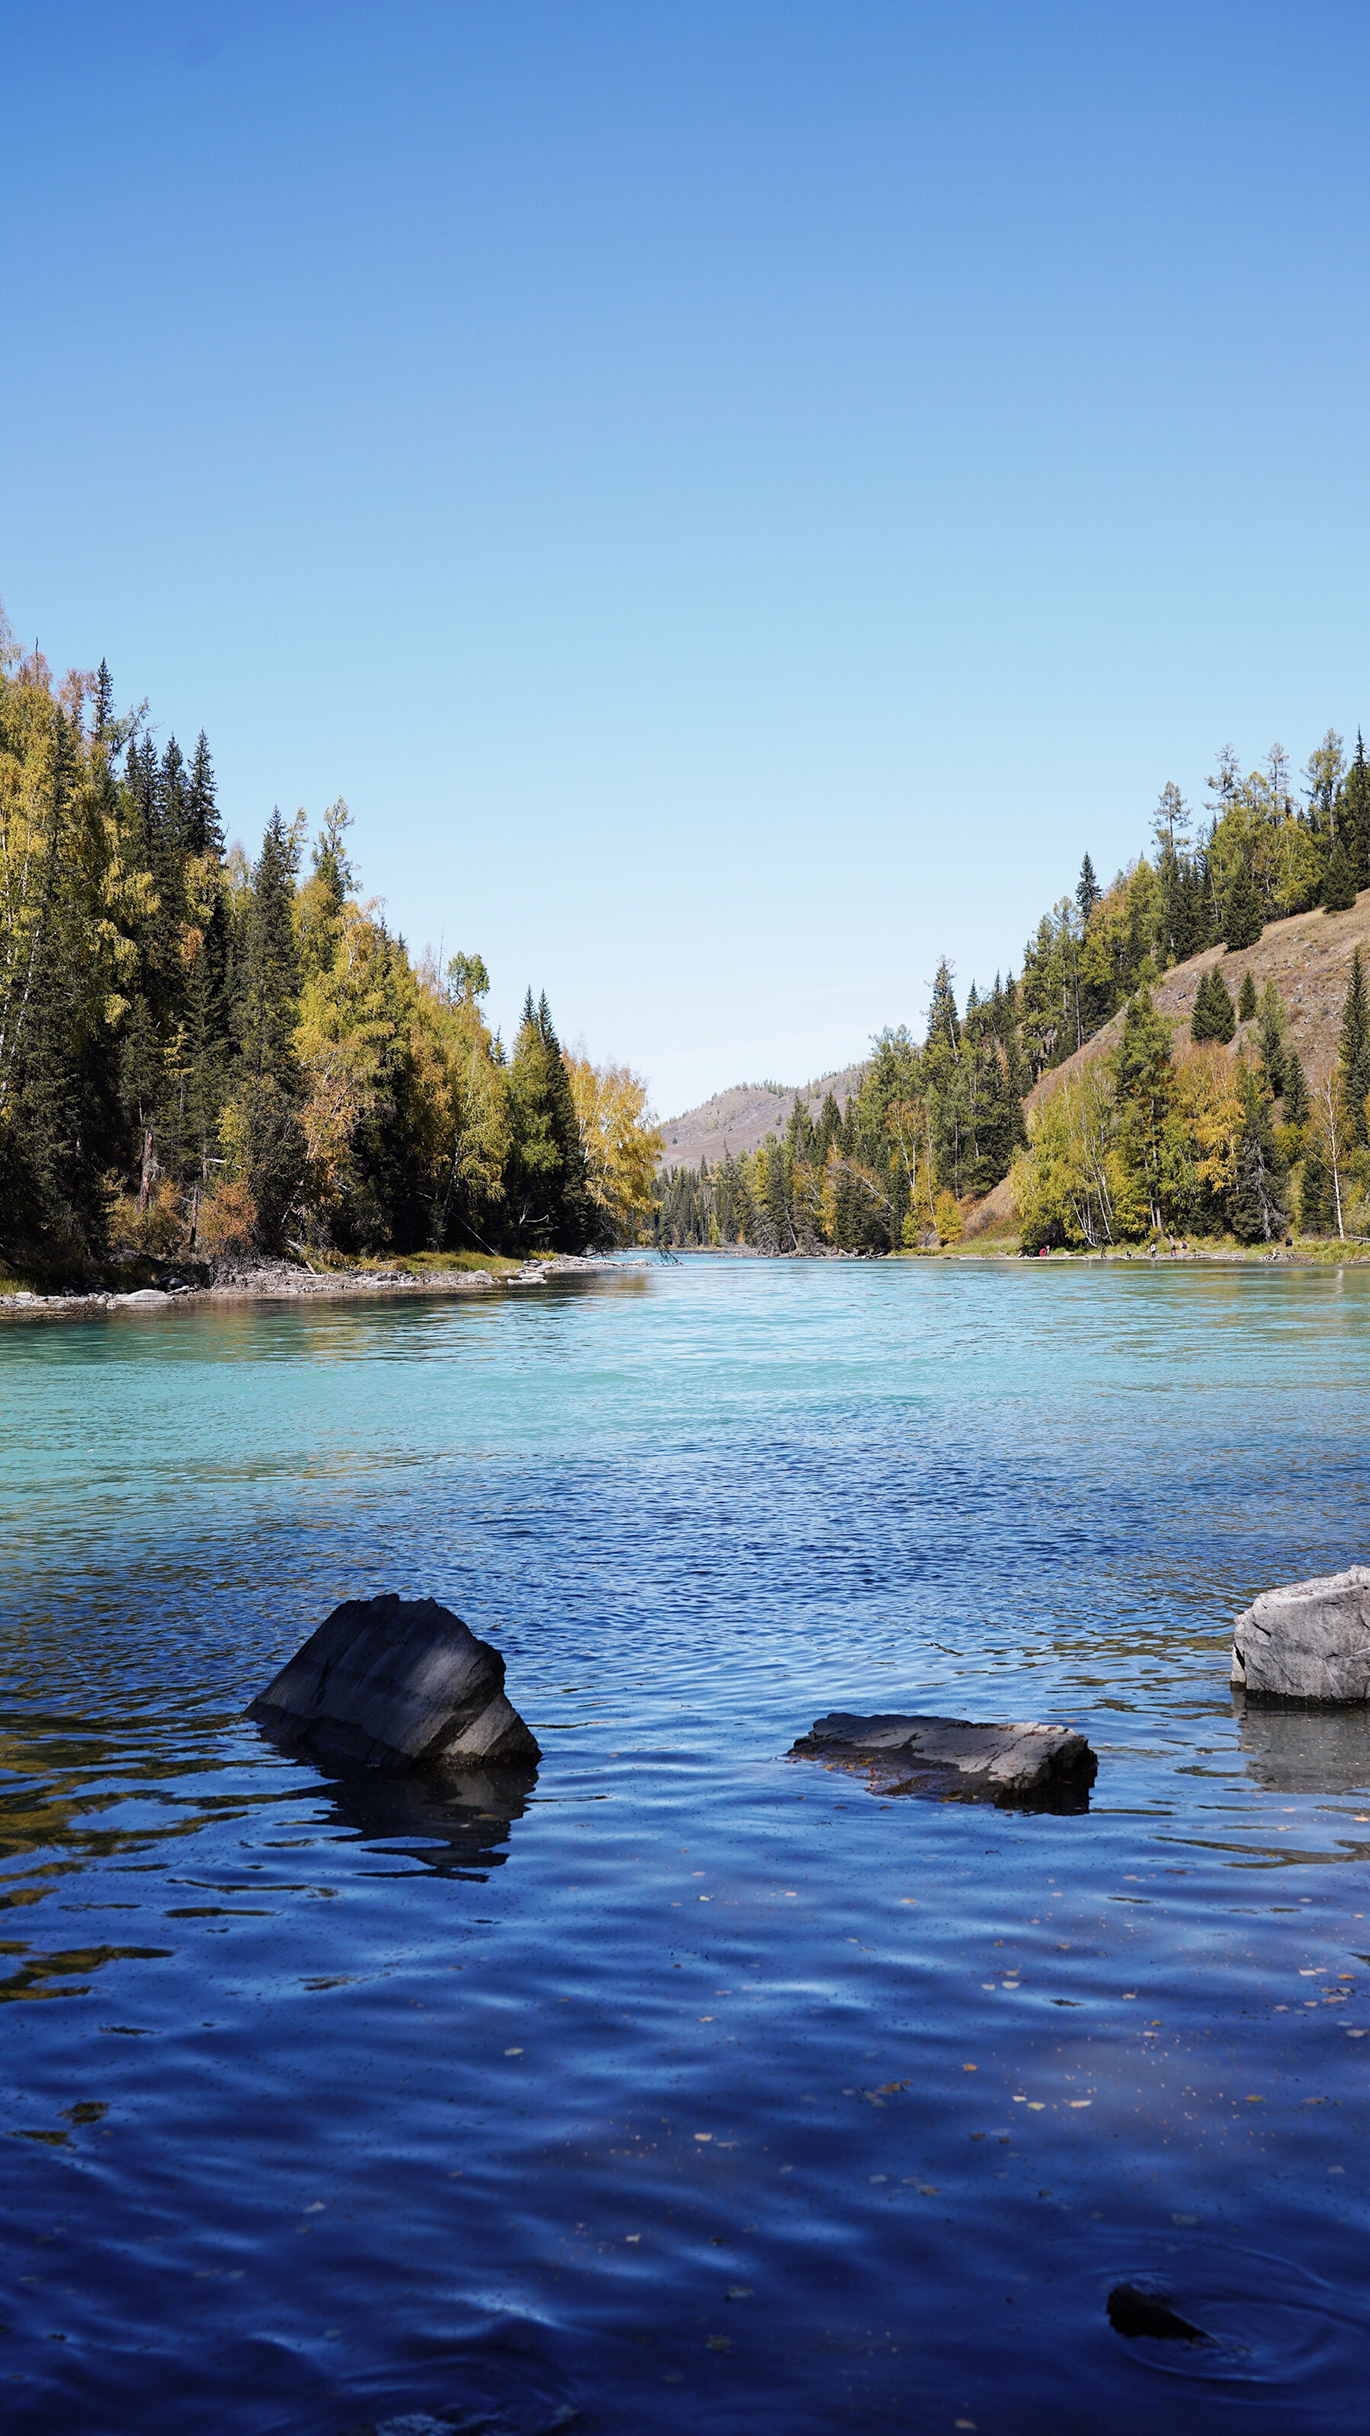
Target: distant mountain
(740, 1119)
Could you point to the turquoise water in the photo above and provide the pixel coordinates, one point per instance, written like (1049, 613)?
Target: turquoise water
(684, 2086)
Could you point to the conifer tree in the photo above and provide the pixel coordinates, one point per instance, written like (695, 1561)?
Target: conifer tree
(829, 1127)
(1315, 1190)
(1355, 820)
(1214, 1016)
(271, 992)
(261, 1127)
(1246, 998)
(1339, 879)
(549, 1200)
(1270, 1039)
(1242, 919)
(1087, 894)
(1296, 1105)
(1353, 1054)
(204, 830)
(1256, 1205)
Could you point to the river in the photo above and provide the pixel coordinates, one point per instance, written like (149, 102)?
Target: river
(685, 2086)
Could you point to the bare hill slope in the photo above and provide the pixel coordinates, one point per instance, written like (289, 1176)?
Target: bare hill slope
(1308, 957)
(740, 1119)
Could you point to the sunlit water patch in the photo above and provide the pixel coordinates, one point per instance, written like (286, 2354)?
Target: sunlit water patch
(680, 2085)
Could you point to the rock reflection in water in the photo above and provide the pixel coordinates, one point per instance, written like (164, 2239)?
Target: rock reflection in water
(1311, 1749)
(457, 1823)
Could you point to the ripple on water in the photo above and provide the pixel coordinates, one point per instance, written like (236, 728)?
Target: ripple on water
(674, 2085)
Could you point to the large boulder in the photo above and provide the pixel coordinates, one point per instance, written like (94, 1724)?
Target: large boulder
(1306, 1641)
(395, 1683)
(954, 1760)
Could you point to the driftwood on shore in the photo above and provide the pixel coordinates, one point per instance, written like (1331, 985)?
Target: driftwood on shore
(396, 1683)
(952, 1759)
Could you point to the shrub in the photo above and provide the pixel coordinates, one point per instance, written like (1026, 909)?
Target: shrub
(226, 1221)
(950, 1224)
(156, 1232)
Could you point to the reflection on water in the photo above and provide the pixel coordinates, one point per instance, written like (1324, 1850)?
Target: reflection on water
(1305, 1749)
(457, 1823)
(740, 2099)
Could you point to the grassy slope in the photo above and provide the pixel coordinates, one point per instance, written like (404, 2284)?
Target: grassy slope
(1308, 957)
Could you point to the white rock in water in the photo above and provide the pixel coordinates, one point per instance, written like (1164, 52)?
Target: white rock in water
(953, 1758)
(396, 1683)
(1307, 1641)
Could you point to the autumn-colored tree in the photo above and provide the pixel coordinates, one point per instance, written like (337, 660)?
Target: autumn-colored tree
(620, 1143)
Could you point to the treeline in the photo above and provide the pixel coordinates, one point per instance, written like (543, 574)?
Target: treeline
(1149, 1142)
(203, 1056)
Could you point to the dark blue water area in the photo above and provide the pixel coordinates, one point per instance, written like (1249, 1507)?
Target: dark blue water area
(683, 2085)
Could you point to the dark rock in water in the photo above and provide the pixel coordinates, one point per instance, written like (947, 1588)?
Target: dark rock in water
(396, 1683)
(1307, 1640)
(1131, 2311)
(953, 1760)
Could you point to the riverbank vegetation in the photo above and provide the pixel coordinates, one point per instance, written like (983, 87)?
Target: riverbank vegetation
(204, 1055)
(1175, 1127)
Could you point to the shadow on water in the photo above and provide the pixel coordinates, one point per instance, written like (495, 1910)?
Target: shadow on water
(1308, 1749)
(457, 1823)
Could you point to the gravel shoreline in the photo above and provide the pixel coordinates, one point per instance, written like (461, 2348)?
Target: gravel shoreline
(283, 1281)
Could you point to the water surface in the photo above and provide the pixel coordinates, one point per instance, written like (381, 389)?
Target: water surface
(683, 2086)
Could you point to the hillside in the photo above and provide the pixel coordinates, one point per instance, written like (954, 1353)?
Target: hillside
(739, 1120)
(1308, 957)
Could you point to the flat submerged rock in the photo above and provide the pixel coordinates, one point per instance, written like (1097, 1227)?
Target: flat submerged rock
(953, 1759)
(1307, 1640)
(396, 1683)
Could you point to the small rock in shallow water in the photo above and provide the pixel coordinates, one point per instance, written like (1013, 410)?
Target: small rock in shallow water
(1131, 2311)
(1306, 1640)
(395, 1683)
(955, 1760)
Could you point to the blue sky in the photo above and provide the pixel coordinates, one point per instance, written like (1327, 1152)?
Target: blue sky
(737, 498)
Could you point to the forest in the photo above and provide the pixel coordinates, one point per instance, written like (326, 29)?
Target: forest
(206, 1057)
(1163, 1137)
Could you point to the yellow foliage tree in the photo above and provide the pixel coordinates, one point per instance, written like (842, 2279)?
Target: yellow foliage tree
(621, 1142)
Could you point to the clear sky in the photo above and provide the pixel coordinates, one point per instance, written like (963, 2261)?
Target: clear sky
(736, 496)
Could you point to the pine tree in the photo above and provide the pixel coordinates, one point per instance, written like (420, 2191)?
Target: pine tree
(1214, 1017)
(1142, 1066)
(204, 829)
(1339, 879)
(1246, 998)
(548, 1199)
(944, 1026)
(174, 789)
(1353, 1054)
(1270, 1039)
(271, 994)
(1256, 1204)
(1087, 892)
(1242, 920)
(1296, 1106)
(1355, 819)
(829, 1127)
(262, 1129)
(1315, 1191)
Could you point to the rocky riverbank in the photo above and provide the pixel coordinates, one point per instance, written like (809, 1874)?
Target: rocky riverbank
(280, 1280)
